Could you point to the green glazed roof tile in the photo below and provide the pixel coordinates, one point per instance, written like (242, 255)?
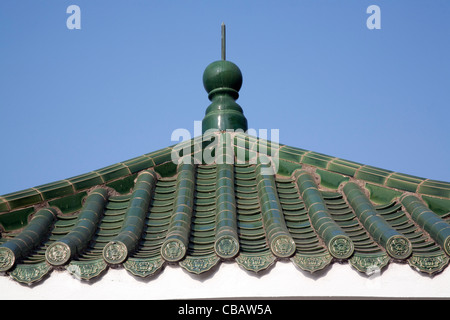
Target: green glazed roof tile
(123, 186)
(4, 205)
(113, 172)
(287, 168)
(70, 203)
(23, 198)
(437, 184)
(252, 234)
(343, 166)
(437, 205)
(147, 211)
(316, 159)
(435, 188)
(287, 154)
(372, 174)
(86, 181)
(139, 163)
(56, 189)
(291, 153)
(403, 182)
(15, 219)
(167, 169)
(383, 189)
(161, 156)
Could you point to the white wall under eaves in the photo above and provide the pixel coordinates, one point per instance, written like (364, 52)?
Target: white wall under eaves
(228, 280)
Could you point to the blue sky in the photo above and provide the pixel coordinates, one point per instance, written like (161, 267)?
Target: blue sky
(73, 101)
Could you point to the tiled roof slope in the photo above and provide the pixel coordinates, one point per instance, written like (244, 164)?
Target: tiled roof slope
(147, 212)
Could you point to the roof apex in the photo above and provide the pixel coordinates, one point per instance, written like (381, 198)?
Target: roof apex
(222, 80)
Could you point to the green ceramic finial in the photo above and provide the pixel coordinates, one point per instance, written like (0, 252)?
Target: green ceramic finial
(222, 80)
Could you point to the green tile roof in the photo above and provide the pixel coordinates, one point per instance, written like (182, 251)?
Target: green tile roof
(147, 212)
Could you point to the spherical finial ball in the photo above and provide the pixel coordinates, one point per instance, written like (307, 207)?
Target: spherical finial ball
(222, 74)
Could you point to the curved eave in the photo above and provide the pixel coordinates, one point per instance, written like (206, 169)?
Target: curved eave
(67, 194)
(366, 173)
(315, 210)
(383, 185)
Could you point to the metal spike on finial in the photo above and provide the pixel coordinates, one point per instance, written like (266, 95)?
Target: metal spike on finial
(223, 42)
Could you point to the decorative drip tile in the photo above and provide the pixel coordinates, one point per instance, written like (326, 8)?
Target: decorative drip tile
(369, 263)
(16, 219)
(372, 174)
(87, 270)
(144, 267)
(200, 264)
(382, 195)
(255, 262)
(429, 263)
(4, 206)
(312, 262)
(30, 273)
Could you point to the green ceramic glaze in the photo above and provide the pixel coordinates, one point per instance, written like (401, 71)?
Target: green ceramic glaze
(396, 244)
(176, 243)
(148, 210)
(438, 228)
(28, 239)
(222, 80)
(117, 250)
(226, 238)
(61, 251)
(277, 234)
(338, 243)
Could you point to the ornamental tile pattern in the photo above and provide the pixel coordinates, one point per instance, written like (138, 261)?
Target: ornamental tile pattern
(148, 212)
